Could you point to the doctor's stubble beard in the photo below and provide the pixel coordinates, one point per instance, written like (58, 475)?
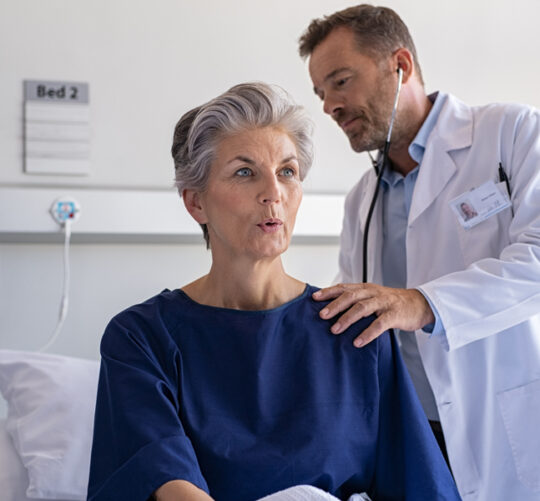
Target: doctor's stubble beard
(371, 130)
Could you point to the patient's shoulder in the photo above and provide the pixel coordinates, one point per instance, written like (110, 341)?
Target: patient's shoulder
(147, 324)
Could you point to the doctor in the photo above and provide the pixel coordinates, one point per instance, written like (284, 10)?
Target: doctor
(462, 293)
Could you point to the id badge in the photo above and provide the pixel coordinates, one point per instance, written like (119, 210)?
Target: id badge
(479, 204)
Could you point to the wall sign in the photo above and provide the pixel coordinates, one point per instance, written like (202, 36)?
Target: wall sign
(56, 127)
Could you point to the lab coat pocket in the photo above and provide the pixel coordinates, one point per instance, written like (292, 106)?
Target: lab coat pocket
(486, 239)
(519, 407)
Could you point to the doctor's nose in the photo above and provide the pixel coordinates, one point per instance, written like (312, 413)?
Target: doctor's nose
(331, 105)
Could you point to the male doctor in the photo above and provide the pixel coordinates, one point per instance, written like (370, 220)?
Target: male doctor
(462, 292)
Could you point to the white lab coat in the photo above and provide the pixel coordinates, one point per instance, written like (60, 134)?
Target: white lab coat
(485, 284)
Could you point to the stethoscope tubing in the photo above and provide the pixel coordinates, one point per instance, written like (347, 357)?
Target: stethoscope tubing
(379, 171)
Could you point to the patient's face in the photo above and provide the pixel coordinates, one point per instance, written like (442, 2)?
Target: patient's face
(253, 194)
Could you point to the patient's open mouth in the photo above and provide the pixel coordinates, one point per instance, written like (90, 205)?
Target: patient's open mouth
(270, 225)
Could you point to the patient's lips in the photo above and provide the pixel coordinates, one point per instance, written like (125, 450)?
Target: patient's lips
(270, 225)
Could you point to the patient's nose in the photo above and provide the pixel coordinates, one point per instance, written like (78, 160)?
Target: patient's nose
(270, 192)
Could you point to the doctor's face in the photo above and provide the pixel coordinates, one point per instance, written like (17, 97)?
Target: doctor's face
(356, 92)
(253, 194)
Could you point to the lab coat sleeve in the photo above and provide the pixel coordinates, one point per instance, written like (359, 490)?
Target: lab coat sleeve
(139, 441)
(409, 463)
(500, 291)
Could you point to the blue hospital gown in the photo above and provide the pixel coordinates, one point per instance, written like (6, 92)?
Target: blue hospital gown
(246, 403)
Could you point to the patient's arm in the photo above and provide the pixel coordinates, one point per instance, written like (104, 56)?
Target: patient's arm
(180, 490)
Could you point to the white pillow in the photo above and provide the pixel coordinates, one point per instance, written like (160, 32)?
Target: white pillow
(51, 401)
(13, 475)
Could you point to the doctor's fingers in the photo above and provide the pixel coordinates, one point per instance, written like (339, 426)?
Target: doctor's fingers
(357, 311)
(346, 295)
(375, 329)
(337, 290)
(405, 309)
(396, 310)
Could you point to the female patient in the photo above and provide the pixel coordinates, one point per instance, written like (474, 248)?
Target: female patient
(232, 387)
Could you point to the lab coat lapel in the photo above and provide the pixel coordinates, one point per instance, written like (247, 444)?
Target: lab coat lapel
(453, 131)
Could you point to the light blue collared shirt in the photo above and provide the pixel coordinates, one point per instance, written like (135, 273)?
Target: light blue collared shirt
(397, 197)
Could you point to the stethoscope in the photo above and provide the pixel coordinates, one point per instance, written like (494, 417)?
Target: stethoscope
(379, 167)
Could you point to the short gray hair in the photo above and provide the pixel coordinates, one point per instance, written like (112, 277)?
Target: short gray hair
(243, 107)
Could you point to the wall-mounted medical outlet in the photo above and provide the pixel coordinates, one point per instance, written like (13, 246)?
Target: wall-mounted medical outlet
(65, 209)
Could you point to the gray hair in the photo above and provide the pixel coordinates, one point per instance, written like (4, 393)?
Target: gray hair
(243, 107)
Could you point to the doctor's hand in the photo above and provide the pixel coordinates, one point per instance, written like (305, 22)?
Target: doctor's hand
(405, 309)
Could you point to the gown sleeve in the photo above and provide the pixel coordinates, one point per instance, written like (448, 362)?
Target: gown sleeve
(410, 464)
(139, 441)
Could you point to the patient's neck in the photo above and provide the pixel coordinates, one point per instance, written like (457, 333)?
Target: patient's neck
(245, 286)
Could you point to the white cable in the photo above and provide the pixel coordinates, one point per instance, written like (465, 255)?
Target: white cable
(394, 108)
(65, 290)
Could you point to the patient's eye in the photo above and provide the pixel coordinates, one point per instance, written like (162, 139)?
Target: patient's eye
(288, 172)
(244, 172)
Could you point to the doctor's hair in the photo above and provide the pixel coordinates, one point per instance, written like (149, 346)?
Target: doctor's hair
(246, 106)
(379, 32)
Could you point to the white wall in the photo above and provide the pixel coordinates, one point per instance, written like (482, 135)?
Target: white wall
(147, 63)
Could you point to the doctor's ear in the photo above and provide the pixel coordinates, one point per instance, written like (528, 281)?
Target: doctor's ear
(403, 59)
(194, 205)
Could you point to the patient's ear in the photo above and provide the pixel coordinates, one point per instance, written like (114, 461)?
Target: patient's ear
(193, 203)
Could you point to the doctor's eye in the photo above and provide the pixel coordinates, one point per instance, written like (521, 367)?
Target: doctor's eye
(341, 81)
(244, 172)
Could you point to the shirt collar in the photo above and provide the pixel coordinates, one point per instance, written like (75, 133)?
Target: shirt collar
(391, 177)
(418, 145)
